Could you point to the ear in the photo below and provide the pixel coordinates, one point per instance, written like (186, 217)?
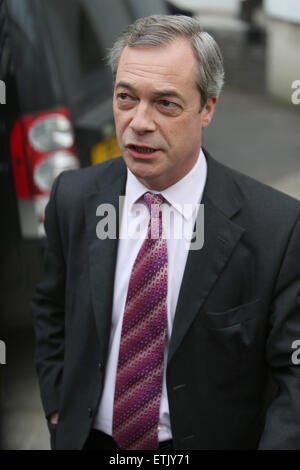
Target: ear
(208, 111)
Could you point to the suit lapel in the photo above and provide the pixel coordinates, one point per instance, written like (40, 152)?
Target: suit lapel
(204, 266)
(102, 253)
(221, 201)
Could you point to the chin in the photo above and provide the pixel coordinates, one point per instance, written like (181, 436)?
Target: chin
(141, 168)
(145, 176)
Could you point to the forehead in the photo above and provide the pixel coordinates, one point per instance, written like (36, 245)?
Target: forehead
(171, 64)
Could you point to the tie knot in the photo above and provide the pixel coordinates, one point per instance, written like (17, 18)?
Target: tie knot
(151, 199)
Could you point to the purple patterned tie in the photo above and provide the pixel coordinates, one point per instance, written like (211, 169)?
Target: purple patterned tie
(140, 365)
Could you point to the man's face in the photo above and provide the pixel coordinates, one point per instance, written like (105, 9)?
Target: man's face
(156, 109)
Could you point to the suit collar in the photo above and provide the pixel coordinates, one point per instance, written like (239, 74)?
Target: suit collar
(220, 189)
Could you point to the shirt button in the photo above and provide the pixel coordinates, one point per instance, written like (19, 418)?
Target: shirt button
(159, 428)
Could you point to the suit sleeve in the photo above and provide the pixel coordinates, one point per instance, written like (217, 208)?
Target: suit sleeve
(282, 426)
(48, 309)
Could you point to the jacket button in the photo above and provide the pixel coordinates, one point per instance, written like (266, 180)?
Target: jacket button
(90, 411)
(100, 366)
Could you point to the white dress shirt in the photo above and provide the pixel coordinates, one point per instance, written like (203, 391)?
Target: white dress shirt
(133, 228)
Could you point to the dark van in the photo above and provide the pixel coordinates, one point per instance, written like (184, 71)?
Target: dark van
(58, 92)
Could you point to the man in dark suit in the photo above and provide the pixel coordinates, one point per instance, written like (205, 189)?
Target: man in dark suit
(226, 375)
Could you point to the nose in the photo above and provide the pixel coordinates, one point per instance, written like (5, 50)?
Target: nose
(142, 121)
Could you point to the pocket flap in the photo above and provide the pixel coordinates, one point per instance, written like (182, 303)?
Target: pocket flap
(232, 316)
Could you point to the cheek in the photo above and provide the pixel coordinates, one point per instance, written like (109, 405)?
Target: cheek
(172, 131)
(119, 123)
(185, 136)
(177, 133)
(122, 119)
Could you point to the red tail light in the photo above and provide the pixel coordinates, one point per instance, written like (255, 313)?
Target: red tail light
(42, 146)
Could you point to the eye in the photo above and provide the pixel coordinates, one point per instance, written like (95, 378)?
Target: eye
(169, 107)
(167, 103)
(125, 100)
(124, 96)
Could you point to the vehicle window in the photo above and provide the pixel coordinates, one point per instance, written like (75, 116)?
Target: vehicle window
(145, 7)
(81, 33)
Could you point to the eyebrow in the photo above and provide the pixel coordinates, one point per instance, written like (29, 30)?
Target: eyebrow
(165, 92)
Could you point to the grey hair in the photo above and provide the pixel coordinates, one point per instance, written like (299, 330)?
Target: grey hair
(157, 30)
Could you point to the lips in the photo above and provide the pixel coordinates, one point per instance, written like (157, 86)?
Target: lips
(141, 150)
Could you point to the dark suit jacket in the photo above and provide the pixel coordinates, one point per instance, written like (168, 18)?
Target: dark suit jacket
(238, 314)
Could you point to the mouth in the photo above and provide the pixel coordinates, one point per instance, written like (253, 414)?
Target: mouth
(142, 151)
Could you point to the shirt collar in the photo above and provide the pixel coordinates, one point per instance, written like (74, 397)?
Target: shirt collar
(187, 191)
